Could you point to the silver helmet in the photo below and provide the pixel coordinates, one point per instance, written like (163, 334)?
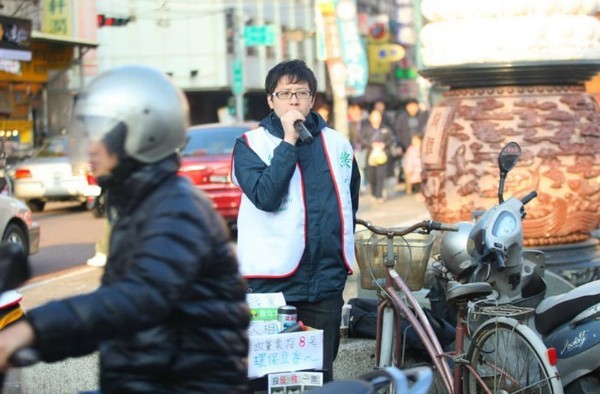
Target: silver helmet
(153, 110)
(454, 249)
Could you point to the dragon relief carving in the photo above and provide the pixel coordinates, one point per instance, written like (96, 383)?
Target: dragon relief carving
(584, 166)
(560, 137)
(470, 187)
(459, 162)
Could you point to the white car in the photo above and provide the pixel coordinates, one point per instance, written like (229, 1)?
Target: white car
(17, 225)
(49, 176)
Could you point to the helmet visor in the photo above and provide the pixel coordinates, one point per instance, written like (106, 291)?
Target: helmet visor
(84, 131)
(94, 128)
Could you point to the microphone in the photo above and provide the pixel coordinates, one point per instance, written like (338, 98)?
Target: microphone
(303, 132)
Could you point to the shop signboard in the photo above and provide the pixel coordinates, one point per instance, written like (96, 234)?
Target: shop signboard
(259, 35)
(15, 38)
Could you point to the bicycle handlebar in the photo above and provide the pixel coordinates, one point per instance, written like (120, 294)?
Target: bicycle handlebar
(425, 226)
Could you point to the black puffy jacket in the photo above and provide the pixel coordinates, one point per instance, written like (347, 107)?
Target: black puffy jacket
(170, 315)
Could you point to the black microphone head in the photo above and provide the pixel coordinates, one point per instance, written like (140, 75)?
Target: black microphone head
(303, 132)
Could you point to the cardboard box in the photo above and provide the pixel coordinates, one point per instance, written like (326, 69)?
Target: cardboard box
(285, 352)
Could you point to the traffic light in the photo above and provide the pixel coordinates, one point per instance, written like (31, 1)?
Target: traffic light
(103, 20)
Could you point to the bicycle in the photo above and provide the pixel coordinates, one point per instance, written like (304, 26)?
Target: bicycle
(503, 356)
(410, 381)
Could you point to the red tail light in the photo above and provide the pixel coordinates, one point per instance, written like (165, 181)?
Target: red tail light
(91, 180)
(22, 173)
(551, 353)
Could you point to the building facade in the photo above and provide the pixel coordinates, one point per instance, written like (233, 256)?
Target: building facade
(218, 51)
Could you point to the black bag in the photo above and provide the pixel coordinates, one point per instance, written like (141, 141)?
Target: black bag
(363, 318)
(363, 324)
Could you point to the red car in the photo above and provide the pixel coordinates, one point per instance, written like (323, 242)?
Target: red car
(206, 160)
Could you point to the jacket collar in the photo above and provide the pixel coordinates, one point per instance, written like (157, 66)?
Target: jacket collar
(314, 123)
(125, 196)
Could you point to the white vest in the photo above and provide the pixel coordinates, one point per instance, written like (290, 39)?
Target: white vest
(271, 244)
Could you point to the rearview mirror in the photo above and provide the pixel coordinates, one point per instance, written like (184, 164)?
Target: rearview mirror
(507, 159)
(509, 156)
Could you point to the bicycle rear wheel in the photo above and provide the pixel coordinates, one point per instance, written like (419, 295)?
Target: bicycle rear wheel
(509, 356)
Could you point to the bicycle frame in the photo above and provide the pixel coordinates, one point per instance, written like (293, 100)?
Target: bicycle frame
(417, 318)
(420, 324)
(403, 304)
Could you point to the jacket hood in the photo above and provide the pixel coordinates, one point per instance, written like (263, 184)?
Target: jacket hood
(314, 123)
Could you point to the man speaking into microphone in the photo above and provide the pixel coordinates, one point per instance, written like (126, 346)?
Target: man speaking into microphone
(300, 186)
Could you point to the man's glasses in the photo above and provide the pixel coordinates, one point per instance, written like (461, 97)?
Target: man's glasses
(287, 95)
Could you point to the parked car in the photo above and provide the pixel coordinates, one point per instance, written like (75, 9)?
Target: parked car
(206, 161)
(49, 176)
(16, 223)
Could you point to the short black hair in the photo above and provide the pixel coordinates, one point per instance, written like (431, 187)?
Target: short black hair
(296, 70)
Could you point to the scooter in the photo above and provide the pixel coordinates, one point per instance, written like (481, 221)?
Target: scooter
(14, 270)
(569, 322)
(13, 263)
(491, 250)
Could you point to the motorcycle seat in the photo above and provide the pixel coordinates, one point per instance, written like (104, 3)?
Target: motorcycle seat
(556, 310)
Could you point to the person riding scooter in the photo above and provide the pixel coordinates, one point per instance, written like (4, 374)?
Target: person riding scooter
(170, 315)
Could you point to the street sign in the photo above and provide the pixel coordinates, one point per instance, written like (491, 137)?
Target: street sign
(238, 78)
(259, 35)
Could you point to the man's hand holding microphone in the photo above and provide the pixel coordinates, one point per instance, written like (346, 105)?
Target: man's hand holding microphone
(297, 130)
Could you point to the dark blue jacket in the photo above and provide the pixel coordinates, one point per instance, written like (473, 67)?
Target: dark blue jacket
(322, 272)
(170, 315)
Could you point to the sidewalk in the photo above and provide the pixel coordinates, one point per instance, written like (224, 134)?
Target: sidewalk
(73, 375)
(395, 212)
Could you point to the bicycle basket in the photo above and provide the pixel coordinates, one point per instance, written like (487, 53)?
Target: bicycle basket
(412, 252)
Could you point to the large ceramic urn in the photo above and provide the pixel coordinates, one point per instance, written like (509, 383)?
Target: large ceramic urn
(515, 71)
(541, 106)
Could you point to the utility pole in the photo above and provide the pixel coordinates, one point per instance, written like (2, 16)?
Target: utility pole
(238, 62)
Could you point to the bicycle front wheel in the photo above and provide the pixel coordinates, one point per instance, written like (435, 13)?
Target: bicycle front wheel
(509, 358)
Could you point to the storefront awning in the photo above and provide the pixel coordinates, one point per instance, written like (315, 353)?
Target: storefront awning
(61, 40)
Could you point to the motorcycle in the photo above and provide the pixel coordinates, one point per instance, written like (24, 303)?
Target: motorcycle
(492, 251)
(14, 270)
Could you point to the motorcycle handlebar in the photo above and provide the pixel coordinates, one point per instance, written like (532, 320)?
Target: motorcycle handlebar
(25, 357)
(443, 226)
(529, 197)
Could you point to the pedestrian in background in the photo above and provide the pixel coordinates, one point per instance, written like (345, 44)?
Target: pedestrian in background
(409, 121)
(379, 142)
(101, 247)
(412, 165)
(170, 314)
(296, 219)
(355, 123)
(394, 152)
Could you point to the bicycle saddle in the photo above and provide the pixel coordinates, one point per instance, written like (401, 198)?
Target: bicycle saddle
(467, 291)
